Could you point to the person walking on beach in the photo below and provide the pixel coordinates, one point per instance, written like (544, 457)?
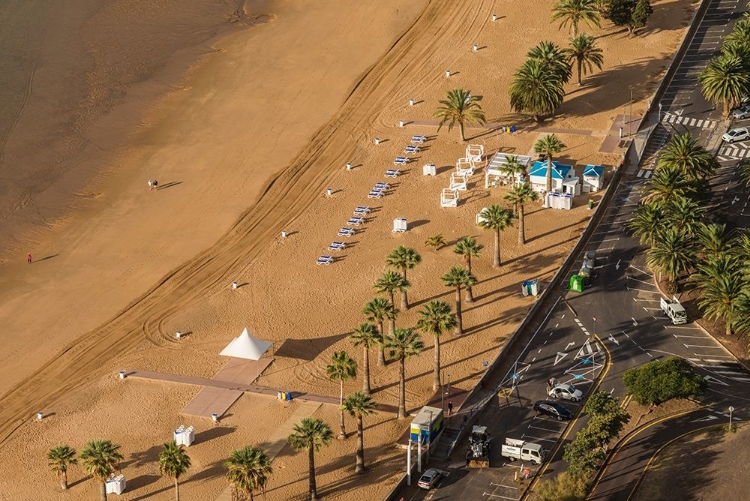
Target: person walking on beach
(28, 258)
(450, 408)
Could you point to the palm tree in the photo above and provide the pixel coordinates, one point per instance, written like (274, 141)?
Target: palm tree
(311, 434)
(574, 11)
(436, 318)
(342, 369)
(536, 90)
(390, 283)
(248, 469)
(684, 213)
(512, 168)
(458, 277)
(667, 184)
(548, 146)
(721, 283)
(740, 33)
(553, 58)
(744, 170)
(378, 310)
(359, 405)
(519, 196)
(459, 107)
(682, 152)
(60, 458)
(368, 336)
(497, 219)
(714, 240)
(725, 81)
(174, 462)
(100, 458)
(672, 253)
(647, 223)
(403, 258)
(468, 248)
(584, 52)
(437, 242)
(404, 343)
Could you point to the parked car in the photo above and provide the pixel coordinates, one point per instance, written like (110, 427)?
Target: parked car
(549, 408)
(429, 479)
(566, 392)
(742, 112)
(739, 134)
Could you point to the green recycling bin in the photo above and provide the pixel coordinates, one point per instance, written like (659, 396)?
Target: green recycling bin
(576, 283)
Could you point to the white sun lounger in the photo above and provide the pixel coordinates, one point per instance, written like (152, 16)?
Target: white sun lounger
(361, 210)
(411, 149)
(382, 186)
(346, 232)
(355, 221)
(375, 194)
(392, 173)
(325, 260)
(337, 246)
(418, 139)
(401, 161)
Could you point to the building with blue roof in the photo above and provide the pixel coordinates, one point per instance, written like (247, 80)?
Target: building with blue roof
(593, 177)
(563, 177)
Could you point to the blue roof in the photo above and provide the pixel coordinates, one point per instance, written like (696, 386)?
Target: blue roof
(593, 171)
(559, 171)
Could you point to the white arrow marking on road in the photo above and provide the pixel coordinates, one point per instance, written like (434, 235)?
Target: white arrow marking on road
(572, 343)
(707, 418)
(612, 338)
(559, 357)
(635, 322)
(617, 266)
(711, 379)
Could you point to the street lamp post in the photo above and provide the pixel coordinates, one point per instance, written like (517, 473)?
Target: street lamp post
(660, 112)
(731, 410)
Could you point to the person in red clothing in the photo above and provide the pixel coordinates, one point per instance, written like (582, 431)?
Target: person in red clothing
(28, 258)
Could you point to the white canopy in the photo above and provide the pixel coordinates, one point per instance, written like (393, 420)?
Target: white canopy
(246, 346)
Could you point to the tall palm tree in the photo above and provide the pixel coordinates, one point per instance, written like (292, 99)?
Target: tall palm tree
(572, 12)
(403, 258)
(714, 240)
(367, 336)
(647, 223)
(59, 458)
(459, 107)
(100, 458)
(672, 253)
(553, 58)
(586, 55)
(512, 168)
(740, 33)
(468, 247)
(536, 90)
(378, 310)
(404, 343)
(174, 462)
(683, 152)
(721, 283)
(684, 213)
(549, 146)
(667, 184)
(725, 81)
(359, 405)
(744, 170)
(342, 368)
(390, 283)
(519, 196)
(248, 470)
(436, 318)
(311, 434)
(497, 219)
(437, 242)
(457, 277)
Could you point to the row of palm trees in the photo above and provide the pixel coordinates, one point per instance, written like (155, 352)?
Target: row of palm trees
(672, 222)
(726, 79)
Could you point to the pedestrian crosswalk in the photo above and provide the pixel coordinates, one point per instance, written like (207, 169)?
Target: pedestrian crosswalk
(645, 173)
(733, 152)
(673, 118)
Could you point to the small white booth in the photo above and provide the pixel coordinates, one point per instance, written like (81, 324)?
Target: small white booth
(184, 435)
(497, 173)
(115, 484)
(400, 225)
(429, 170)
(593, 178)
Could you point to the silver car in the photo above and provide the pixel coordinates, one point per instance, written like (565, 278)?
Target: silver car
(733, 135)
(566, 392)
(742, 112)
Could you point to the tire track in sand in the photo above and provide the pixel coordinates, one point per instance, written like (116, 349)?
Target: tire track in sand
(283, 199)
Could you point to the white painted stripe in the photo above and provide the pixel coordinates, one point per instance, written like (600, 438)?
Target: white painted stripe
(648, 174)
(692, 122)
(697, 124)
(640, 173)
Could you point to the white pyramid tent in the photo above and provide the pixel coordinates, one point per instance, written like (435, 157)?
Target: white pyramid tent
(246, 346)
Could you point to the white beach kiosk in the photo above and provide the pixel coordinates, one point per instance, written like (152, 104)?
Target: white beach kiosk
(246, 346)
(495, 172)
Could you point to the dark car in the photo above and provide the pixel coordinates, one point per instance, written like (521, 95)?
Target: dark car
(553, 409)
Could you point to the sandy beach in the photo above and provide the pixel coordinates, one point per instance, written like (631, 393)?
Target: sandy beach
(244, 145)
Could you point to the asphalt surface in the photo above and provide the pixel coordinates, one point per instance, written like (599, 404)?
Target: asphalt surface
(618, 318)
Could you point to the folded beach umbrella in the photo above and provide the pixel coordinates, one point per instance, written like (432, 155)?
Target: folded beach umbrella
(246, 346)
